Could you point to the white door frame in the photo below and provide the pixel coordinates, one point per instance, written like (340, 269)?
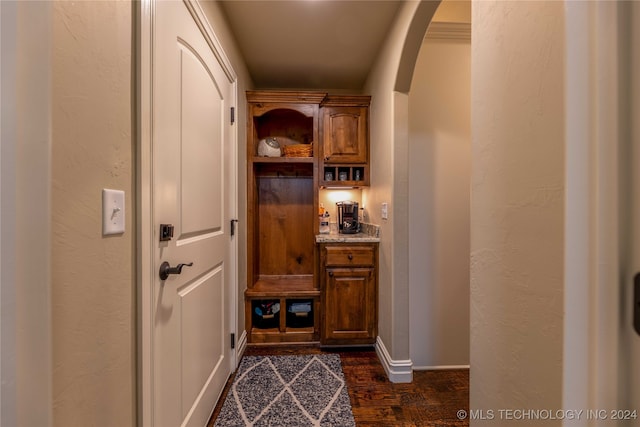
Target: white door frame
(26, 371)
(145, 27)
(597, 217)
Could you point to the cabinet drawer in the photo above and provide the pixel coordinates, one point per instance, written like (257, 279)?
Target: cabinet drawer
(349, 256)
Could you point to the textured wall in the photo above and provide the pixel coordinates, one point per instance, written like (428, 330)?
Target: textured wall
(439, 176)
(93, 283)
(517, 205)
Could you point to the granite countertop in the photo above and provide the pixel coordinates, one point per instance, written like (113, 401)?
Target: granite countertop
(370, 234)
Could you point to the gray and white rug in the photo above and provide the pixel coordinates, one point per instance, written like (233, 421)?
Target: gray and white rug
(288, 391)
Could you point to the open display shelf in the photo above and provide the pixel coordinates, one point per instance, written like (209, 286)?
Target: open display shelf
(345, 175)
(283, 325)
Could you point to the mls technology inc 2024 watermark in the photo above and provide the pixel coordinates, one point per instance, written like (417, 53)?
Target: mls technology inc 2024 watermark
(548, 414)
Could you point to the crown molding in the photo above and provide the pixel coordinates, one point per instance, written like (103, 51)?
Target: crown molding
(460, 31)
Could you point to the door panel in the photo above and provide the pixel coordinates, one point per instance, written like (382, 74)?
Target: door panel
(201, 352)
(349, 304)
(201, 155)
(345, 134)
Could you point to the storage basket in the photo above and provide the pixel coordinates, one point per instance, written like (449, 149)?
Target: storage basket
(298, 150)
(266, 321)
(299, 320)
(266, 314)
(300, 313)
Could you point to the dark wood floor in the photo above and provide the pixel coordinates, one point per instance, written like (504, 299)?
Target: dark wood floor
(432, 399)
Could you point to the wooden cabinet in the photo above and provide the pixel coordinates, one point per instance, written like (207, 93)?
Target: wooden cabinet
(282, 208)
(283, 296)
(345, 140)
(345, 134)
(349, 293)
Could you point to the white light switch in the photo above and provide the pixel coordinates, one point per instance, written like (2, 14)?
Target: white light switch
(385, 211)
(112, 211)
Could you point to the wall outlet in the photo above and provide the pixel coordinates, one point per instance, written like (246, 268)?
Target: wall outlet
(385, 211)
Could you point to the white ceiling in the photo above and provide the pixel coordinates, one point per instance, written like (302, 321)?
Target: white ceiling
(310, 44)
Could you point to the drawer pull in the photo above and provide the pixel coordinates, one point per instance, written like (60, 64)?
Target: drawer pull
(350, 256)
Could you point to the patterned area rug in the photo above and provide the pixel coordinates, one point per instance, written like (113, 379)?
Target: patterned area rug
(288, 391)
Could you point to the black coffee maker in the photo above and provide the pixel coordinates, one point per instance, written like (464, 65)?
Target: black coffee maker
(348, 217)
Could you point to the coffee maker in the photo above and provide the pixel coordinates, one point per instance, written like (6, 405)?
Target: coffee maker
(348, 217)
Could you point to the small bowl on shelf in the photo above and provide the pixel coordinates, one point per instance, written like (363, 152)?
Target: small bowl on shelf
(269, 147)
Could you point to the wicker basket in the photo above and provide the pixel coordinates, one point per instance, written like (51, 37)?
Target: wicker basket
(298, 150)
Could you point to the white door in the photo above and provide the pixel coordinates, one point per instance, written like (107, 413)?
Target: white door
(191, 157)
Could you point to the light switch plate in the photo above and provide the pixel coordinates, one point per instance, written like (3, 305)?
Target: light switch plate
(112, 211)
(385, 210)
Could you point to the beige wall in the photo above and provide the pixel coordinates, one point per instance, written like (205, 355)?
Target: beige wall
(93, 277)
(439, 176)
(517, 206)
(453, 11)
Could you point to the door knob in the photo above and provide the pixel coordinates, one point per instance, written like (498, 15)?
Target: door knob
(166, 269)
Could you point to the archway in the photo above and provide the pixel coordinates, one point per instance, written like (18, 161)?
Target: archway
(439, 165)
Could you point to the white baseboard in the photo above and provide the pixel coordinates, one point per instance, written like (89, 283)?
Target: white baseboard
(439, 367)
(398, 371)
(241, 346)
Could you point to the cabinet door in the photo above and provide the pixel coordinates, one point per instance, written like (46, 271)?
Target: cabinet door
(350, 306)
(345, 134)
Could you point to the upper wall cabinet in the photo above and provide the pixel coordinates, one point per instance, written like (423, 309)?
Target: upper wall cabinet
(345, 129)
(344, 133)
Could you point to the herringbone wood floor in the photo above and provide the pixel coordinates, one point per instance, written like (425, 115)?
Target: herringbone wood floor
(431, 400)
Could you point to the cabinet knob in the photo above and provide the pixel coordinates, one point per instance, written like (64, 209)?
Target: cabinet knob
(331, 274)
(350, 256)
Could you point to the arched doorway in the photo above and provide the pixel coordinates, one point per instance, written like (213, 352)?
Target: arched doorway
(439, 192)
